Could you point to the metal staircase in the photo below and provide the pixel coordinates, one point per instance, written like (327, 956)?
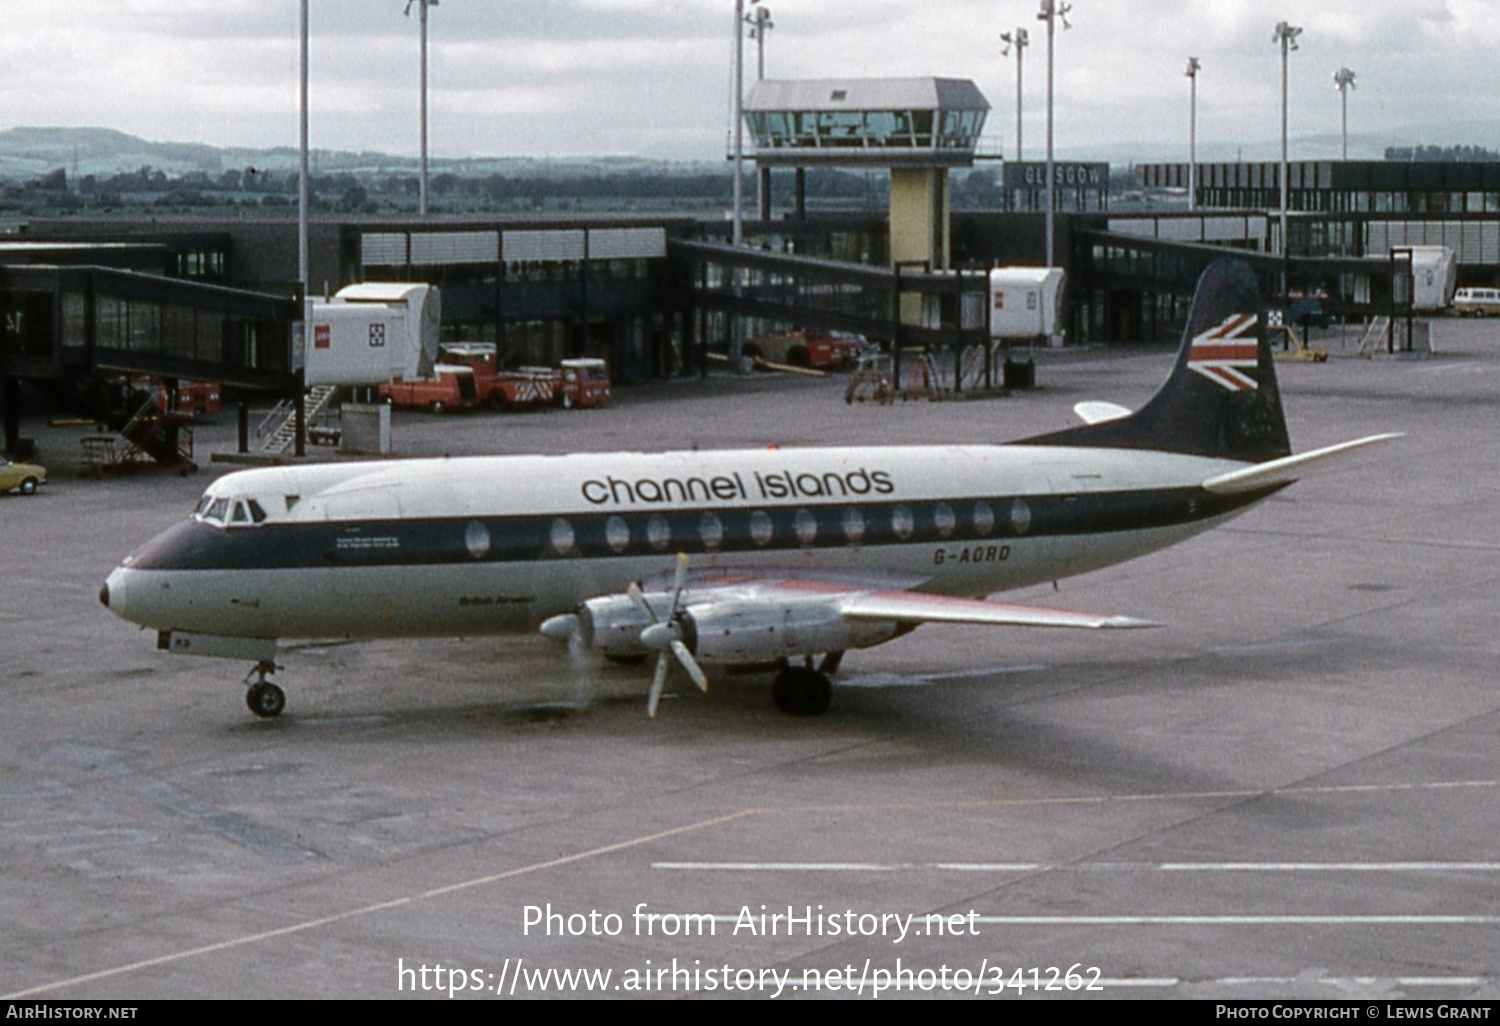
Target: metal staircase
(280, 425)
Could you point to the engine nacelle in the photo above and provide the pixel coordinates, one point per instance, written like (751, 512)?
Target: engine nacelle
(612, 624)
(745, 632)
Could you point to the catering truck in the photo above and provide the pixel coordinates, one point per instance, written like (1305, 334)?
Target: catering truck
(372, 333)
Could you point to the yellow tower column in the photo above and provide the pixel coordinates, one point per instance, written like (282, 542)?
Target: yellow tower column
(919, 227)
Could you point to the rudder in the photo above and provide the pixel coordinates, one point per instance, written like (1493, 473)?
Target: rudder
(1222, 399)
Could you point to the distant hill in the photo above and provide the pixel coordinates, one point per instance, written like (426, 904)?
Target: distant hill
(27, 154)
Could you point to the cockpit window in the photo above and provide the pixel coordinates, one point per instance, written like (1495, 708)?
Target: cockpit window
(257, 514)
(217, 511)
(203, 505)
(241, 514)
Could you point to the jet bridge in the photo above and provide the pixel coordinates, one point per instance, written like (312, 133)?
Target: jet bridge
(61, 328)
(816, 294)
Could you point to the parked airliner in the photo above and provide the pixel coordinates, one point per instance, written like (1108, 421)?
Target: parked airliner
(777, 557)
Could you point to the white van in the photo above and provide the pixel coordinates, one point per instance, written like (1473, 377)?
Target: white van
(1477, 302)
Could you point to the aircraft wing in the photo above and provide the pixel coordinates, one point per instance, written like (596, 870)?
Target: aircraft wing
(914, 608)
(858, 601)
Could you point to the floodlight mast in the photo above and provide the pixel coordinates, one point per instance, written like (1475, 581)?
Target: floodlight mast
(760, 23)
(422, 176)
(1343, 81)
(1050, 12)
(1020, 39)
(302, 183)
(738, 228)
(1193, 67)
(1286, 35)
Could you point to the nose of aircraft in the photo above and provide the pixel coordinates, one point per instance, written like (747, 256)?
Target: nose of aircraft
(112, 593)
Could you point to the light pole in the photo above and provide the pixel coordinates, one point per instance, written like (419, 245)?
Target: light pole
(422, 175)
(760, 23)
(1051, 10)
(1343, 81)
(1020, 39)
(738, 224)
(302, 183)
(1286, 35)
(1193, 68)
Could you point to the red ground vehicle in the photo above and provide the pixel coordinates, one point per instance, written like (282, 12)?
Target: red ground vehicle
(468, 377)
(528, 386)
(585, 382)
(452, 387)
(805, 349)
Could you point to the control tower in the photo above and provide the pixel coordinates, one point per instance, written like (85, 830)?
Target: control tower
(916, 127)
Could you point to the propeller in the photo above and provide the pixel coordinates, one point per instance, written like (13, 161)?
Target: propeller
(665, 637)
(567, 629)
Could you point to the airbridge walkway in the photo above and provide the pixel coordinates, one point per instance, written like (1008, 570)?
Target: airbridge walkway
(62, 327)
(904, 308)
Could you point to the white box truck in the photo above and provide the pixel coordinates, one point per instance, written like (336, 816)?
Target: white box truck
(1434, 276)
(372, 333)
(1026, 304)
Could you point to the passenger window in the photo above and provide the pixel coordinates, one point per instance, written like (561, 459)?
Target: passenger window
(760, 527)
(944, 520)
(854, 525)
(984, 518)
(658, 532)
(711, 530)
(902, 522)
(562, 537)
(617, 533)
(806, 526)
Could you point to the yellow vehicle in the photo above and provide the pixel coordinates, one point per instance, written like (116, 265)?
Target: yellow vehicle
(26, 477)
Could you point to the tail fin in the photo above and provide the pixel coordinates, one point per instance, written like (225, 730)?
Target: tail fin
(1221, 399)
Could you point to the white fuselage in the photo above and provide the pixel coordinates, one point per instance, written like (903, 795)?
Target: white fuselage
(488, 545)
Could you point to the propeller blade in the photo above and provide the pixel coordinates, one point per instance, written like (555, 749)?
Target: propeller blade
(677, 583)
(633, 592)
(689, 664)
(657, 683)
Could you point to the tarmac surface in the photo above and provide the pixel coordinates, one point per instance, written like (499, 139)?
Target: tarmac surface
(1291, 790)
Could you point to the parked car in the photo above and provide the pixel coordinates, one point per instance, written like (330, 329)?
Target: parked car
(24, 477)
(806, 349)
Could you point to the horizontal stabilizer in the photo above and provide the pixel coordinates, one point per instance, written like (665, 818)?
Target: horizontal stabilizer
(1287, 469)
(1096, 411)
(915, 607)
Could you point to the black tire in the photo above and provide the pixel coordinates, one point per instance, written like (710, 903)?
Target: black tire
(265, 700)
(799, 691)
(28, 486)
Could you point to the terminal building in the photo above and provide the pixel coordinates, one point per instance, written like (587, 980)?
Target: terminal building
(656, 296)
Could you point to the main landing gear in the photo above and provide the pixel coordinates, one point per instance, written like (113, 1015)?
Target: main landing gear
(265, 699)
(805, 690)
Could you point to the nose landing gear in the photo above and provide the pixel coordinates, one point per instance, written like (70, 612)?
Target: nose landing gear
(265, 699)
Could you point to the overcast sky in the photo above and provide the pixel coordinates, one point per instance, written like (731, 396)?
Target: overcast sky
(651, 78)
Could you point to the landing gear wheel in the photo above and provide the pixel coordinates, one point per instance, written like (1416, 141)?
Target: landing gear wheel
(800, 691)
(265, 699)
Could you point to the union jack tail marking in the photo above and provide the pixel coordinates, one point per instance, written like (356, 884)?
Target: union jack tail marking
(1221, 353)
